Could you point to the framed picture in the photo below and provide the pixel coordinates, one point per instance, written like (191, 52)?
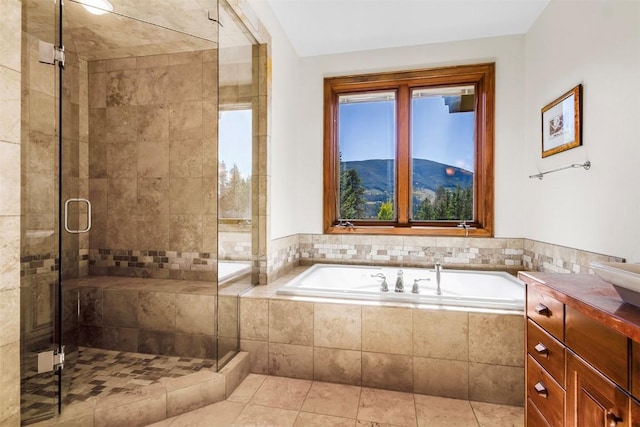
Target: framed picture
(562, 122)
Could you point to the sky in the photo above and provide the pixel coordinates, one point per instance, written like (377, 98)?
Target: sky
(234, 140)
(367, 132)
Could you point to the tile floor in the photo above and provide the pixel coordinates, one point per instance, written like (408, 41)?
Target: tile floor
(99, 372)
(275, 401)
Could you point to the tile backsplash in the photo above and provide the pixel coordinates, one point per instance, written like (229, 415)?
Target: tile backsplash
(510, 254)
(539, 256)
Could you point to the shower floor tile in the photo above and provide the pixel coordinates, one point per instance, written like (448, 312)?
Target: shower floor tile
(98, 372)
(103, 372)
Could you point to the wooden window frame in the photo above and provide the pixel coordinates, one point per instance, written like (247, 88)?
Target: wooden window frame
(482, 76)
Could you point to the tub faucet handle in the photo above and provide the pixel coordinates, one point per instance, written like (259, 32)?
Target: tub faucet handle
(383, 285)
(399, 282)
(416, 288)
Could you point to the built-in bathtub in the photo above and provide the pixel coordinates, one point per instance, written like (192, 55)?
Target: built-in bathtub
(301, 326)
(459, 288)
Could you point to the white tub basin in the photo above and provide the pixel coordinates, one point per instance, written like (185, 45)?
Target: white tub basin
(624, 277)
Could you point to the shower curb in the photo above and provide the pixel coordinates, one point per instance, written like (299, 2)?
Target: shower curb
(156, 402)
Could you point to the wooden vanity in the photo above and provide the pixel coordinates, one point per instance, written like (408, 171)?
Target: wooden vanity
(582, 353)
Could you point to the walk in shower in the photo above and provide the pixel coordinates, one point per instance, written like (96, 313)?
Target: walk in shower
(137, 142)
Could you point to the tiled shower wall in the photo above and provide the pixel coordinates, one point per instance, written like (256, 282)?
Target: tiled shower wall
(10, 117)
(153, 165)
(154, 316)
(411, 251)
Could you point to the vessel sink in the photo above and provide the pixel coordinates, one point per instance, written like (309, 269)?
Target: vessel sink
(624, 277)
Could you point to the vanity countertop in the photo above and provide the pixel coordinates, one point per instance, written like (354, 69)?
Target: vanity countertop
(592, 296)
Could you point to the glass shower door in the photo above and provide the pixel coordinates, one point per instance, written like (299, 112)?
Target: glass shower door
(40, 244)
(64, 148)
(237, 177)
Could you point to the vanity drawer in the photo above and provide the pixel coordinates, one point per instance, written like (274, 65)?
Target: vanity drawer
(546, 311)
(545, 393)
(602, 347)
(534, 417)
(546, 350)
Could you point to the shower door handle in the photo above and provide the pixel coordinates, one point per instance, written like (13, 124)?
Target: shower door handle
(66, 216)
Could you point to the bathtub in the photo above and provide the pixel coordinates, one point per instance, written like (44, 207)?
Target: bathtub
(228, 270)
(461, 288)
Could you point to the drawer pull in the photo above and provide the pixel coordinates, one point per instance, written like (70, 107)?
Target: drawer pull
(542, 310)
(542, 350)
(612, 419)
(541, 390)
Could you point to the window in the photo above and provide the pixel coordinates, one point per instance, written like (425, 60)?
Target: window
(234, 165)
(410, 152)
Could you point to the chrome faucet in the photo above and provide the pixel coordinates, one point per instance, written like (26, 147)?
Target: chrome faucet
(438, 268)
(416, 289)
(399, 282)
(383, 285)
(465, 226)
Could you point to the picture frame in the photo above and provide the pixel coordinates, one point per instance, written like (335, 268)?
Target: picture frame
(562, 123)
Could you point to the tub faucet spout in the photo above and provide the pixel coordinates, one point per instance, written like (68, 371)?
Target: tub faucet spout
(399, 282)
(438, 271)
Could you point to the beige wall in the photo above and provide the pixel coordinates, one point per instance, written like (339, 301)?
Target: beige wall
(594, 210)
(10, 74)
(153, 164)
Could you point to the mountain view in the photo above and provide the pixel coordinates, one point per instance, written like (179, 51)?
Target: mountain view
(377, 176)
(434, 181)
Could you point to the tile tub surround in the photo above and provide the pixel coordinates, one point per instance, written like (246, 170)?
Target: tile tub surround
(165, 317)
(473, 354)
(510, 254)
(162, 399)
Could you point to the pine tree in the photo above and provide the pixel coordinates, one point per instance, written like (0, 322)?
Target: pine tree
(234, 193)
(386, 211)
(352, 200)
(425, 210)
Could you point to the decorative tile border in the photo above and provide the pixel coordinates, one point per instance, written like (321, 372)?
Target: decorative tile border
(154, 264)
(172, 260)
(284, 254)
(417, 251)
(549, 258)
(412, 251)
(32, 265)
(287, 252)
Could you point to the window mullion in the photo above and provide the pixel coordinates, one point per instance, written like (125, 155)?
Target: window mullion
(403, 156)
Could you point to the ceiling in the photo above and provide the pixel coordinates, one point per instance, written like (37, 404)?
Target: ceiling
(320, 27)
(138, 27)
